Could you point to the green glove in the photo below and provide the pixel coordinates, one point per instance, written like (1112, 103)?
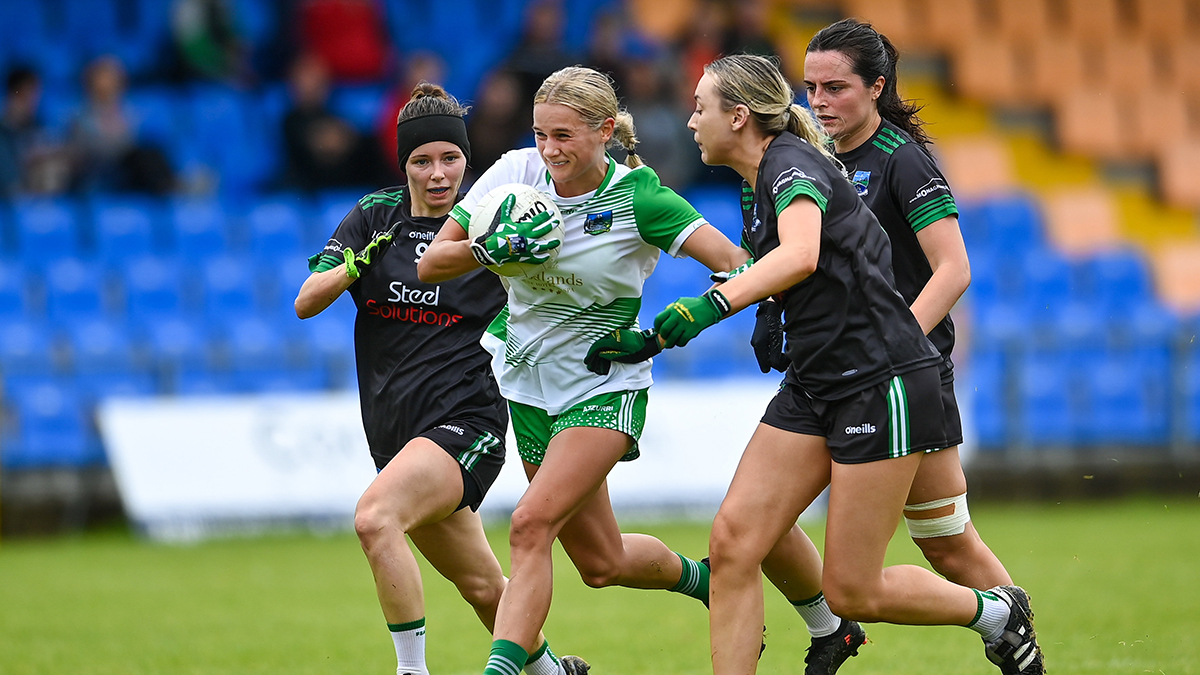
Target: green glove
(623, 346)
(358, 264)
(506, 241)
(683, 319)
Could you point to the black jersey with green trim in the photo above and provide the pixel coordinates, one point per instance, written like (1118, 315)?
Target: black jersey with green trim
(901, 184)
(416, 345)
(847, 328)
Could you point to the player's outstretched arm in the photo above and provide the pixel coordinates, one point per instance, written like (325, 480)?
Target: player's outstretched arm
(448, 256)
(324, 286)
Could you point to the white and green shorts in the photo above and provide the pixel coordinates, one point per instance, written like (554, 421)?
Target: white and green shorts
(623, 411)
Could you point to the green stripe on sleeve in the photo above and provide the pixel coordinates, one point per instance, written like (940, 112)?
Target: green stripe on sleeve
(932, 212)
(797, 189)
(460, 214)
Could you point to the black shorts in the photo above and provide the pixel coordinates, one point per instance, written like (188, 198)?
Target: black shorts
(894, 418)
(954, 433)
(479, 451)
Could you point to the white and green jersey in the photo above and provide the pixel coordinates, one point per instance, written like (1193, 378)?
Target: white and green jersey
(611, 244)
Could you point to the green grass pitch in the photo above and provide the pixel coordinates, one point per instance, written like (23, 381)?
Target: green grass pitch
(1116, 588)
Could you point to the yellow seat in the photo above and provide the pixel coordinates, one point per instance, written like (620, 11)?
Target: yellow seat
(1082, 221)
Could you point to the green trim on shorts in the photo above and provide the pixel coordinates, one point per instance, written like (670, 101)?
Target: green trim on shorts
(897, 401)
(623, 411)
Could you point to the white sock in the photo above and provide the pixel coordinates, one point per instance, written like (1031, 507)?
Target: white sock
(409, 639)
(817, 616)
(544, 662)
(992, 617)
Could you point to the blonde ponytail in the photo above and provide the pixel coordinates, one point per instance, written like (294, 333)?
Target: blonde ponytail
(625, 134)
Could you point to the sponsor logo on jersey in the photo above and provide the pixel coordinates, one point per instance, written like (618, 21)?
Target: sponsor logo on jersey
(792, 174)
(850, 372)
(414, 296)
(929, 188)
(860, 180)
(554, 283)
(754, 221)
(598, 223)
(411, 314)
(867, 428)
(455, 429)
(426, 236)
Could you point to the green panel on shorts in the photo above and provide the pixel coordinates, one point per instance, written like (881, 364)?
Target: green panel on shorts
(623, 411)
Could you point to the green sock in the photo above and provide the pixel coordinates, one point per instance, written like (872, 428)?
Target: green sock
(694, 580)
(507, 658)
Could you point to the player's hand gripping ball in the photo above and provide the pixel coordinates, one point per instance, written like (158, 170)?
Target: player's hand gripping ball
(515, 230)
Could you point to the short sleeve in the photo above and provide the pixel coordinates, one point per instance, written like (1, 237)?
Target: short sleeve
(510, 168)
(921, 192)
(792, 177)
(664, 219)
(351, 233)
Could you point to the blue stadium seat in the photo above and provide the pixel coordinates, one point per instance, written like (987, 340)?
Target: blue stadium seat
(228, 287)
(52, 423)
(1000, 325)
(46, 229)
(176, 342)
(278, 380)
(330, 334)
(26, 347)
(75, 289)
(96, 387)
(1047, 283)
(254, 343)
(276, 230)
(1191, 396)
(1119, 280)
(202, 382)
(199, 227)
(721, 206)
(1048, 412)
(101, 345)
(360, 105)
(1122, 406)
(153, 287)
(14, 291)
(123, 229)
(1012, 224)
(989, 397)
(159, 117)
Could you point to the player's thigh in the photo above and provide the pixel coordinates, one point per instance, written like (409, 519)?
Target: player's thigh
(575, 466)
(422, 484)
(779, 475)
(865, 505)
(458, 548)
(940, 476)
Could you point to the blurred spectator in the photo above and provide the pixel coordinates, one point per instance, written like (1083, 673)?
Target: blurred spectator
(104, 140)
(419, 67)
(607, 46)
(706, 39)
(208, 42)
(750, 19)
(539, 51)
(664, 141)
(498, 122)
(30, 161)
(323, 150)
(348, 35)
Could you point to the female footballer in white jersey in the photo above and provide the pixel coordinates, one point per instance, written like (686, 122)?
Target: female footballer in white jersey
(861, 403)
(573, 425)
(434, 419)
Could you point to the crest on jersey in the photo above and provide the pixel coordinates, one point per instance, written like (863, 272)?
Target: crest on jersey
(598, 223)
(860, 180)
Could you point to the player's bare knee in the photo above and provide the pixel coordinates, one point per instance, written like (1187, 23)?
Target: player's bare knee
(728, 544)
(599, 573)
(850, 600)
(373, 525)
(529, 531)
(481, 592)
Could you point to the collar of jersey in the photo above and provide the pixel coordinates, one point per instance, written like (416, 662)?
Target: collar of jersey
(612, 169)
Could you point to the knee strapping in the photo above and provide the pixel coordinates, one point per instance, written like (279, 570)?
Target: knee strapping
(942, 526)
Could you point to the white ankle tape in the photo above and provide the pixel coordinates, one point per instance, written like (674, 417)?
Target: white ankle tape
(942, 526)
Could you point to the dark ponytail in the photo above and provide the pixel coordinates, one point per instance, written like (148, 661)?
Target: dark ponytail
(873, 56)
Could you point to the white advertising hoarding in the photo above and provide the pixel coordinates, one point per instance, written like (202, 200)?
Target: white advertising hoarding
(187, 467)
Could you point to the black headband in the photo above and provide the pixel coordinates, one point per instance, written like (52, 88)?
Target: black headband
(414, 132)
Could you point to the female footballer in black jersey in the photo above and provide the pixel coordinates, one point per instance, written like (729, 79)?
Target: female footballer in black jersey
(850, 77)
(433, 415)
(861, 402)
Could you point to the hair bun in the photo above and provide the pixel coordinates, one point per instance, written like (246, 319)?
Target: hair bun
(424, 89)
